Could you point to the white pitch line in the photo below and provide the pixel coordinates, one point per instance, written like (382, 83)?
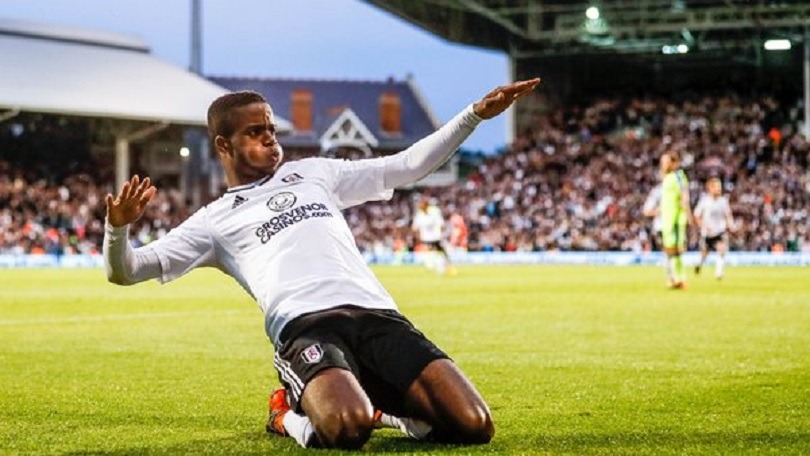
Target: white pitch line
(114, 317)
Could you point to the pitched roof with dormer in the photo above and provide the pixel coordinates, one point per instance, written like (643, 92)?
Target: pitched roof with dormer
(330, 100)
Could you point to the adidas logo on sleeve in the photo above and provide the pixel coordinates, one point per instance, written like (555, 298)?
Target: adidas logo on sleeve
(238, 201)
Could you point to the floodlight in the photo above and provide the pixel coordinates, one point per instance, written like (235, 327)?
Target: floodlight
(184, 152)
(777, 45)
(679, 49)
(592, 13)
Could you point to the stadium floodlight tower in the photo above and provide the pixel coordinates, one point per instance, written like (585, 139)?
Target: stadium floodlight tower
(195, 65)
(807, 82)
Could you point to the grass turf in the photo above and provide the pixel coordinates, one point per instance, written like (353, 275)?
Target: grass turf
(579, 360)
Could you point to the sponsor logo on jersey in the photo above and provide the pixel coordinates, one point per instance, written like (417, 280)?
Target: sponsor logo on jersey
(238, 201)
(312, 354)
(290, 217)
(281, 201)
(292, 178)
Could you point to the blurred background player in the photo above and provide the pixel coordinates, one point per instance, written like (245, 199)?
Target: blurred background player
(675, 214)
(428, 224)
(651, 208)
(713, 216)
(458, 232)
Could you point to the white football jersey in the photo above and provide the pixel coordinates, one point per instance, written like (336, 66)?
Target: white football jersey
(654, 201)
(284, 239)
(712, 213)
(429, 223)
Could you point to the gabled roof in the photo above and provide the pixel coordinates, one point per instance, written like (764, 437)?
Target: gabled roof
(64, 70)
(347, 128)
(331, 98)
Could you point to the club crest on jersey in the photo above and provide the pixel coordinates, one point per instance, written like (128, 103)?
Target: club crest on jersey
(281, 201)
(312, 354)
(292, 178)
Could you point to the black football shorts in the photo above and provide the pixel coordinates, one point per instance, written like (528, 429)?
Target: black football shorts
(383, 350)
(709, 243)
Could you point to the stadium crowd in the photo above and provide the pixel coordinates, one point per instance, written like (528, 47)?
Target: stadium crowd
(39, 216)
(575, 179)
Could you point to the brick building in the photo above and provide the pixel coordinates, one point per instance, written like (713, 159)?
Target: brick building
(347, 119)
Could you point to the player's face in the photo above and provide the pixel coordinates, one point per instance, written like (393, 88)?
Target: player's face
(253, 151)
(715, 188)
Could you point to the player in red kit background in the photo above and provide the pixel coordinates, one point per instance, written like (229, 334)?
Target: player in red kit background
(458, 232)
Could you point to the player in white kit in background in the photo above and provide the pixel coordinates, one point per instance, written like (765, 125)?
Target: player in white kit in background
(428, 223)
(349, 361)
(651, 209)
(713, 215)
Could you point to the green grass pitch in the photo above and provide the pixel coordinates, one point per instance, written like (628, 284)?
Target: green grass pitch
(577, 360)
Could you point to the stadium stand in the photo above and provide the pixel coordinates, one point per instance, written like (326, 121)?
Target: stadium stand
(38, 216)
(578, 177)
(575, 179)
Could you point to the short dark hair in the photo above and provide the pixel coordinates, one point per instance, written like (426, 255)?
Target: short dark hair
(220, 119)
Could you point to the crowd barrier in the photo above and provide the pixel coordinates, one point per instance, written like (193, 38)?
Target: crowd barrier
(473, 258)
(596, 258)
(51, 261)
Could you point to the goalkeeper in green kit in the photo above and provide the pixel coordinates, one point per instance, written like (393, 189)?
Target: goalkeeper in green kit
(675, 214)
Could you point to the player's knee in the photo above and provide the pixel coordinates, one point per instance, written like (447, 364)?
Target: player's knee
(474, 426)
(348, 429)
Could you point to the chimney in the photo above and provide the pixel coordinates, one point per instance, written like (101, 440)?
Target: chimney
(301, 110)
(390, 113)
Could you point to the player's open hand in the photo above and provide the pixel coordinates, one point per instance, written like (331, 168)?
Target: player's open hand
(130, 204)
(498, 100)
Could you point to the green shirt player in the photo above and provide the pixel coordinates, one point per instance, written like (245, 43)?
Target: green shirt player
(675, 214)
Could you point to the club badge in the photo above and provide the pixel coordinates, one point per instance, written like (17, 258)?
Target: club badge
(281, 201)
(312, 354)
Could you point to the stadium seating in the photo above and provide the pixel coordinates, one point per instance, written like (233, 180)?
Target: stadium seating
(575, 179)
(38, 217)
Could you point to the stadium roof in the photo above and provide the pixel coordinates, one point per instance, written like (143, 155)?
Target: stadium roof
(54, 69)
(538, 28)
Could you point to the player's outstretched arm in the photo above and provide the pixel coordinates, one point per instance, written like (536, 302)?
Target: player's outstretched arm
(123, 265)
(431, 152)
